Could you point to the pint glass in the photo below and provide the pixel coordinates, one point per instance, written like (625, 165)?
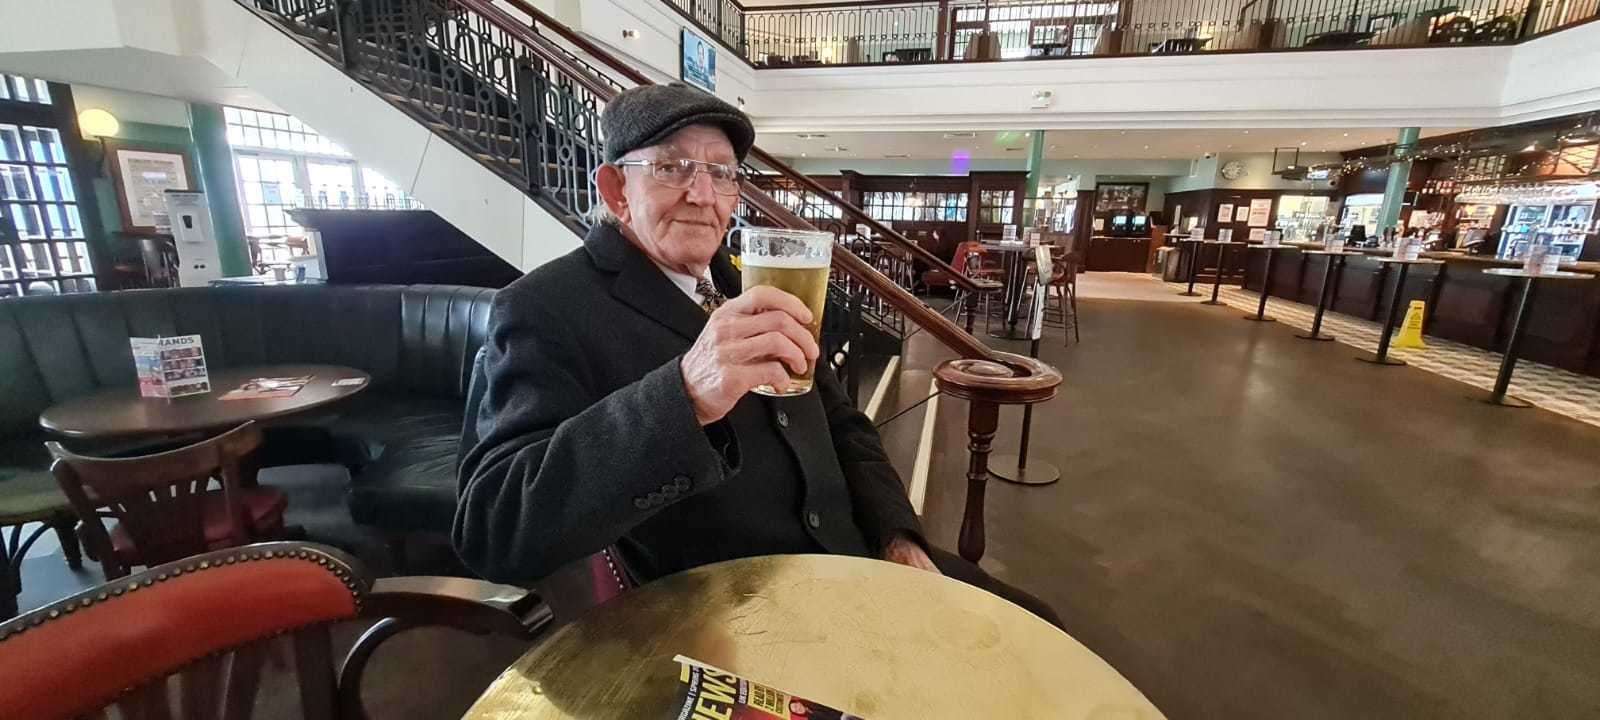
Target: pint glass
(796, 262)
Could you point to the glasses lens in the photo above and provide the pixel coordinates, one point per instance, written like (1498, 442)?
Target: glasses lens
(673, 173)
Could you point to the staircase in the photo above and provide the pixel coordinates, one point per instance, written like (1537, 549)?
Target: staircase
(522, 95)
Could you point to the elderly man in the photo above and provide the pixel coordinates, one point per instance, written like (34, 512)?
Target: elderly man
(618, 408)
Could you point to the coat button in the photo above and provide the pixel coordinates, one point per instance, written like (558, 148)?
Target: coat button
(783, 419)
(655, 498)
(669, 491)
(813, 519)
(681, 482)
(641, 503)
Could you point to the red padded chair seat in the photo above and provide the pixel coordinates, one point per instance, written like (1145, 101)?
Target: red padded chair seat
(263, 506)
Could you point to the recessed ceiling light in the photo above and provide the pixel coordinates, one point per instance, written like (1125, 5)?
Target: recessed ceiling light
(1076, 156)
(1347, 134)
(1147, 147)
(1052, 147)
(1027, 134)
(802, 154)
(1302, 143)
(1247, 132)
(1122, 132)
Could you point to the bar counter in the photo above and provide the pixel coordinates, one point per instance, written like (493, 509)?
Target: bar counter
(1463, 303)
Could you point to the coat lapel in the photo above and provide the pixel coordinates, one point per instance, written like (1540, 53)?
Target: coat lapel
(642, 286)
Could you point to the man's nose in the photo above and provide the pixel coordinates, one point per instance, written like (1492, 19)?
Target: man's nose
(700, 191)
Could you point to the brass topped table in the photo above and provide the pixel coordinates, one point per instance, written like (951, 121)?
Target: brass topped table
(871, 638)
(121, 412)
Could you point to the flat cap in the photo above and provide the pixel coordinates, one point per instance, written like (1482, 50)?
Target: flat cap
(645, 115)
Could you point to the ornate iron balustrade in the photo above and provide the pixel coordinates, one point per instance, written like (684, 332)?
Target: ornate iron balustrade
(929, 31)
(528, 108)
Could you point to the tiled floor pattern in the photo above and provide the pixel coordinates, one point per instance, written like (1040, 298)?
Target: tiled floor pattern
(1559, 391)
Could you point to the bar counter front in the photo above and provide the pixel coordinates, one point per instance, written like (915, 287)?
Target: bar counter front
(1463, 303)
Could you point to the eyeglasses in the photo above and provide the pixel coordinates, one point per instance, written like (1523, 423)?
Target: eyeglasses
(679, 174)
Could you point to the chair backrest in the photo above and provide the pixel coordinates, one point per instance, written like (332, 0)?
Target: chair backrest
(158, 499)
(183, 640)
(578, 586)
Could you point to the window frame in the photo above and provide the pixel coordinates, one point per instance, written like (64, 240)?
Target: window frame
(67, 263)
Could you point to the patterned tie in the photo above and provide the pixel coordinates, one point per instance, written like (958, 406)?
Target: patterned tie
(710, 297)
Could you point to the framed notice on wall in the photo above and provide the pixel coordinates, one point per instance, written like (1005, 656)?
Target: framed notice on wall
(142, 176)
(1260, 212)
(699, 63)
(1241, 213)
(1225, 213)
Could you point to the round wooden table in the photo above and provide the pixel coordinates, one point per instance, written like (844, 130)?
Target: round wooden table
(121, 412)
(871, 638)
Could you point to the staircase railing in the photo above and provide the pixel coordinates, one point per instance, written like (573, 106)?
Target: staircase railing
(528, 108)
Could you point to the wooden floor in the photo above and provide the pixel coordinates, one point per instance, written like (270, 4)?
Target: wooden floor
(1255, 526)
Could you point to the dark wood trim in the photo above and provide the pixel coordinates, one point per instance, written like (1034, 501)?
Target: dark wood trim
(114, 169)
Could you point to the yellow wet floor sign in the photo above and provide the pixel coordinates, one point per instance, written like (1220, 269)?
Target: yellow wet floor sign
(1411, 330)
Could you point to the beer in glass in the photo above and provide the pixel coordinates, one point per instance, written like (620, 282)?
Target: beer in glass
(796, 262)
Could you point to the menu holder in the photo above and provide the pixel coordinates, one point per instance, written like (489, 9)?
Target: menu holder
(170, 367)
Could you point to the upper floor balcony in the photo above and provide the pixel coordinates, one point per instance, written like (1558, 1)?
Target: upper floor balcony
(769, 35)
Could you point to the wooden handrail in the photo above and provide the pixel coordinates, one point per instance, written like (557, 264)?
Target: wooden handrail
(588, 47)
(851, 264)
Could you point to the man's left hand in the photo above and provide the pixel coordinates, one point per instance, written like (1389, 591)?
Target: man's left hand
(905, 551)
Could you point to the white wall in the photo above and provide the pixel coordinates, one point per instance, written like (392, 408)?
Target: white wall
(132, 106)
(1557, 74)
(658, 47)
(1258, 173)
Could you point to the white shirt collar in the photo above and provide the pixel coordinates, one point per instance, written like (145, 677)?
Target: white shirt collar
(686, 283)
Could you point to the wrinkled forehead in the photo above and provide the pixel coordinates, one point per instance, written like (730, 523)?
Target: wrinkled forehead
(707, 143)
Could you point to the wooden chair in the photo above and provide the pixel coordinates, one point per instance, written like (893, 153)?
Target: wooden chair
(188, 639)
(1062, 293)
(164, 505)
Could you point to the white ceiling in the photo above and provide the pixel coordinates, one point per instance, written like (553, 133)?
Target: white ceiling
(1078, 144)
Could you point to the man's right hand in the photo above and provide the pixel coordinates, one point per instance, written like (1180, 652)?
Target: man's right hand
(747, 342)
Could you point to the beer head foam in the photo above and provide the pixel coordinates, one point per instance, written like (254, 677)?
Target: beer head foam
(792, 262)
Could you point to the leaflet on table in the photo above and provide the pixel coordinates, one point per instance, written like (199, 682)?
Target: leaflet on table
(170, 367)
(264, 388)
(712, 694)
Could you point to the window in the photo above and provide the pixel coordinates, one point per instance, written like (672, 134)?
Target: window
(43, 249)
(916, 206)
(281, 164)
(997, 207)
(21, 89)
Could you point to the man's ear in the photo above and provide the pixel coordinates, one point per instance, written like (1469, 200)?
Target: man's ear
(609, 180)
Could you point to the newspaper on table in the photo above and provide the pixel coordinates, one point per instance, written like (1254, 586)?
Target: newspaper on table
(170, 367)
(713, 694)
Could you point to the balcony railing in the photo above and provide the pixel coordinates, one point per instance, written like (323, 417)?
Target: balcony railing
(957, 30)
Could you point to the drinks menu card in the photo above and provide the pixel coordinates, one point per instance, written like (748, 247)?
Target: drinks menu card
(712, 694)
(170, 367)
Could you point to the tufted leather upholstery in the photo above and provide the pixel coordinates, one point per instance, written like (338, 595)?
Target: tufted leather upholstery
(417, 342)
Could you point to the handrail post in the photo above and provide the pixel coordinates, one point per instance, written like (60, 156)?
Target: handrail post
(982, 420)
(343, 32)
(854, 336)
(971, 308)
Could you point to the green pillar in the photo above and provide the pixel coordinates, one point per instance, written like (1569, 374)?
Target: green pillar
(1035, 164)
(1394, 194)
(216, 179)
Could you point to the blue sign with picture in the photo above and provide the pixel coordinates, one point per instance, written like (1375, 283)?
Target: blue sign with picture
(699, 62)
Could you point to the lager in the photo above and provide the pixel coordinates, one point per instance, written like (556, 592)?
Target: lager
(796, 262)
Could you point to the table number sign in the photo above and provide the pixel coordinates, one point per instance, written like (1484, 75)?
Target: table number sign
(170, 367)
